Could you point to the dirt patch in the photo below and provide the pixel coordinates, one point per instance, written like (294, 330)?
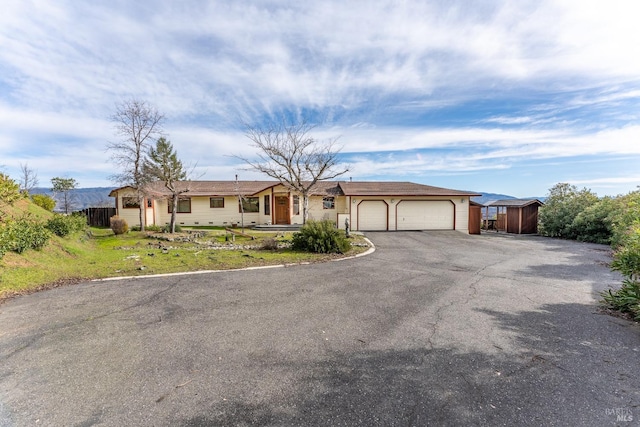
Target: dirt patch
(14, 261)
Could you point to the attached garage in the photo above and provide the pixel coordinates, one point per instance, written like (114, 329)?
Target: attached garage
(373, 215)
(425, 215)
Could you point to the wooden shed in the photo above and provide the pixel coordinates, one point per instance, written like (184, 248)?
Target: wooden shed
(517, 216)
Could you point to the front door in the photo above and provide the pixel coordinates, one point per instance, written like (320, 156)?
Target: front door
(282, 210)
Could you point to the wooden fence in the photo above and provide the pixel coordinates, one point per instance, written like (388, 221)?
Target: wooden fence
(99, 217)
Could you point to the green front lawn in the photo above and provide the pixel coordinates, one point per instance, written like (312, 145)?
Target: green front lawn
(101, 254)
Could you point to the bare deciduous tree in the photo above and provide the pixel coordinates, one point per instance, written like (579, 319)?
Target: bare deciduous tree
(28, 178)
(137, 124)
(288, 153)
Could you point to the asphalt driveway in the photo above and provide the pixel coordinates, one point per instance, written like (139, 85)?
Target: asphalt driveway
(434, 328)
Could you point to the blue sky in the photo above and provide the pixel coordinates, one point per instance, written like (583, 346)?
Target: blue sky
(496, 96)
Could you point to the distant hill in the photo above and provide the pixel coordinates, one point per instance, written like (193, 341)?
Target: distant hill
(490, 197)
(95, 197)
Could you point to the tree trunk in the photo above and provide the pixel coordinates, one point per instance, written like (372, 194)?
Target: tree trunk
(174, 208)
(141, 212)
(305, 208)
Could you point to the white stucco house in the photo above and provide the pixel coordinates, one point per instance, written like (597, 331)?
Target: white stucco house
(369, 206)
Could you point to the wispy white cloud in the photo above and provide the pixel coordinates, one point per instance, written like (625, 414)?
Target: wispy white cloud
(613, 180)
(318, 54)
(383, 76)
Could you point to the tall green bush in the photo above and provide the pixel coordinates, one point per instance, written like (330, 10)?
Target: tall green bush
(320, 237)
(9, 190)
(578, 214)
(25, 233)
(4, 237)
(44, 201)
(63, 225)
(626, 258)
(595, 223)
(625, 216)
(564, 203)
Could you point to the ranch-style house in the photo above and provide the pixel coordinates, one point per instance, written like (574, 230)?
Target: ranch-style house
(368, 205)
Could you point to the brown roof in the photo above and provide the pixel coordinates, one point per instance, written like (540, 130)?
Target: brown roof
(327, 188)
(215, 188)
(330, 188)
(390, 188)
(516, 203)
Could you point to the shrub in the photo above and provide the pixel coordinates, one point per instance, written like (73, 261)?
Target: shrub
(153, 228)
(44, 201)
(63, 225)
(626, 258)
(594, 224)
(9, 190)
(564, 203)
(25, 233)
(4, 237)
(118, 225)
(320, 237)
(626, 215)
(626, 299)
(269, 244)
(167, 228)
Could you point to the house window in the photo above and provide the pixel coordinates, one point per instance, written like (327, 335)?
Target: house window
(130, 203)
(296, 205)
(267, 205)
(184, 206)
(249, 204)
(328, 203)
(216, 202)
(149, 203)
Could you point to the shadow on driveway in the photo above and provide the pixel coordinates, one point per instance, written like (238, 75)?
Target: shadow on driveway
(564, 375)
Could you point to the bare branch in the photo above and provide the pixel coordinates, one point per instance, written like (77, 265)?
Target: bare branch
(289, 154)
(137, 124)
(28, 178)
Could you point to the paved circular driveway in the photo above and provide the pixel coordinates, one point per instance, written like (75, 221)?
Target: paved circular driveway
(433, 328)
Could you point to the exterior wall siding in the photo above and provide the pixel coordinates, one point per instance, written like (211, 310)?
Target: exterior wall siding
(131, 215)
(317, 211)
(203, 214)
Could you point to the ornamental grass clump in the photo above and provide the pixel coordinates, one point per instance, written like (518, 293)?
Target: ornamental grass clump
(626, 260)
(320, 237)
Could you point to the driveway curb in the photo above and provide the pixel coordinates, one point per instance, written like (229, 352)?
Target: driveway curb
(371, 250)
